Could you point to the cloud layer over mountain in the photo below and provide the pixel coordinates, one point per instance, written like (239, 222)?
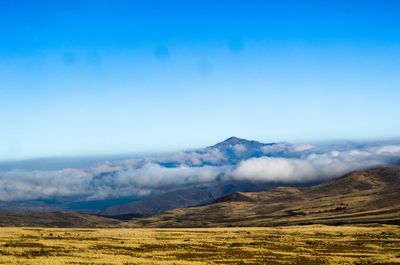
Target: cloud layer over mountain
(234, 159)
(315, 166)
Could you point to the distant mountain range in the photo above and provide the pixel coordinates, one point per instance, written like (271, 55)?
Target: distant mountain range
(228, 152)
(146, 186)
(367, 196)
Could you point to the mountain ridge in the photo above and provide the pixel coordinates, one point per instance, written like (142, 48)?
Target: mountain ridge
(233, 140)
(359, 197)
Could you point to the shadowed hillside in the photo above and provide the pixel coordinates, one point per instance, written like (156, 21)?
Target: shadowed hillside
(182, 198)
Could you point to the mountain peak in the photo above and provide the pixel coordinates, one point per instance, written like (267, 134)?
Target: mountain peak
(231, 141)
(234, 139)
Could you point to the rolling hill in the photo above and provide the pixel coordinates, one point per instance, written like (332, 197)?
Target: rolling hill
(360, 197)
(55, 219)
(367, 196)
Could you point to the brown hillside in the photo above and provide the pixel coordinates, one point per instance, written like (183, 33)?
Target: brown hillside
(359, 197)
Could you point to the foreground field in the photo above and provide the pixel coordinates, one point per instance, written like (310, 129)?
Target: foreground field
(286, 245)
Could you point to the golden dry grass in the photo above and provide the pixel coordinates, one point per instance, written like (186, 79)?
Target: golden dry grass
(315, 244)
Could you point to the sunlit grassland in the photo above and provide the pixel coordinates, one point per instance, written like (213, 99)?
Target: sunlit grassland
(282, 245)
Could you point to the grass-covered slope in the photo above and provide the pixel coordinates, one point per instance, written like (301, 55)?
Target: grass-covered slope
(360, 197)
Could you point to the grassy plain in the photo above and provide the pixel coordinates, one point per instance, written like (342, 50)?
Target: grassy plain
(316, 244)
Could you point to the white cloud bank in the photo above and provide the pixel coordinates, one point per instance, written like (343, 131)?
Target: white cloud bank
(142, 176)
(315, 166)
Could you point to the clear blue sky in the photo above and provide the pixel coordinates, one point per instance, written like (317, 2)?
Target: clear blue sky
(108, 77)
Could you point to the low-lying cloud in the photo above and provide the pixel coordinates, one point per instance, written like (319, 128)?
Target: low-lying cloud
(138, 177)
(315, 166)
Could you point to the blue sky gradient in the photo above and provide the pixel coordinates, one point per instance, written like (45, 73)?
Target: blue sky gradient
(114, 77)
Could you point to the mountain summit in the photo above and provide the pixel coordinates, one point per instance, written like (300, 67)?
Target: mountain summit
(237, 149)
(232, 141)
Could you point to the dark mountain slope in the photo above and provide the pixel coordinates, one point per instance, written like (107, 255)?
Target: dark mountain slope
(182, 198)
